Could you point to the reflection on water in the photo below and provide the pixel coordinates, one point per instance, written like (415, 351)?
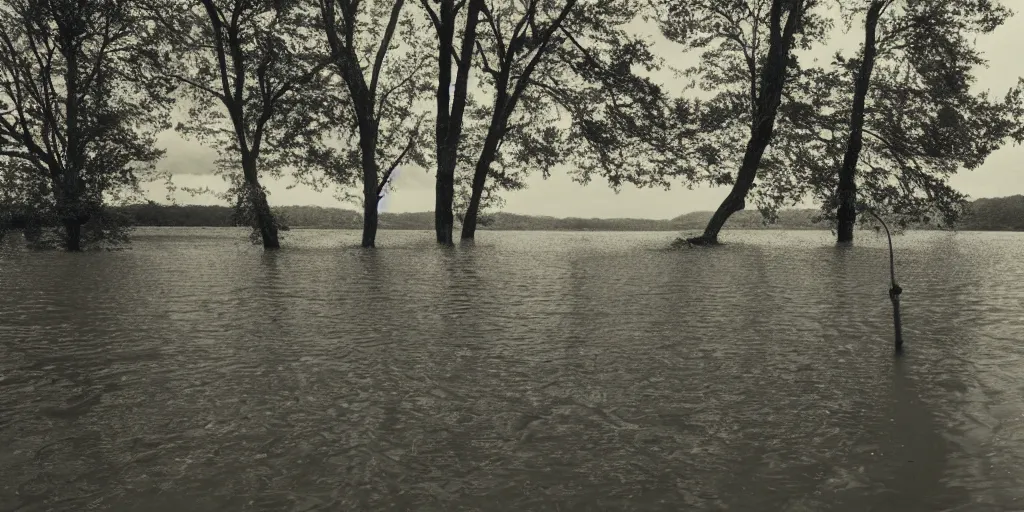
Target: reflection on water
(530, 371)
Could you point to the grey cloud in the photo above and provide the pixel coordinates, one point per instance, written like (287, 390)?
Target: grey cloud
(185, 156)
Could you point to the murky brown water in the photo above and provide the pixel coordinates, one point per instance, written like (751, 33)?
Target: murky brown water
(534, 371)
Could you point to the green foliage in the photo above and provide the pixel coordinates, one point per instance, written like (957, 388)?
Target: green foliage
(235, 63)
(995, 214)
(923, 122)
(999, 214)
(564, 83)
(621, 124)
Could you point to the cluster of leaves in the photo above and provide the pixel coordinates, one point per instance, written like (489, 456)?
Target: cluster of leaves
(394, 68)
(78, 116)
(923, 122)
(567, 83)
(244, 211)
(733, 40)
(246, 70)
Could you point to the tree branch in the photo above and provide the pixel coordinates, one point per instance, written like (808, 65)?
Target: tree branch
(523, 80)
(218, 35)
(394, 165)
(196, 85)
(389, 33)
(431, 13)
(499, 42)
(382, 101)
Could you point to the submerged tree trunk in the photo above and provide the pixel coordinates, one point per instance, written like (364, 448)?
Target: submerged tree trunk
(70, 214)
(72, 235)
(368, 150)
(267, 223)
(444, 217)
(451, 105)
(760, 138)
(483, 166)
(472, 211)
(736, 200)
(447, 146)
(846, 192)
(69, 188)
(369, 220)
(257, 197)
(773, 79)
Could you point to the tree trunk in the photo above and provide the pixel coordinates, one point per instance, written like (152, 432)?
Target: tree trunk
(258, 200)
(846, 214)
(846, 193)
(267, 223)
(469, 223)
(72, 235)
(451, 106)
(69, 203)
(368, 150)
(370, 220)
(773, 79)
(446, 146)
(483, 166)
(444, 217)
(736, 200)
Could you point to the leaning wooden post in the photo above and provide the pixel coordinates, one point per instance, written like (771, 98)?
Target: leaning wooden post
(894, 290)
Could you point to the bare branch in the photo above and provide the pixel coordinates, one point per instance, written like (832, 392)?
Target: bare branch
(398, 160)
(389, 33)
(523, 80)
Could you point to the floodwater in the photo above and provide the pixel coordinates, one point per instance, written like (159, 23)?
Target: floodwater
(532, 371)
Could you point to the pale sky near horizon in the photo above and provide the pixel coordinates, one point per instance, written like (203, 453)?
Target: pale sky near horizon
(192, 164)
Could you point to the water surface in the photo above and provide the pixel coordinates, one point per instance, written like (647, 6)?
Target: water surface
(531, 371)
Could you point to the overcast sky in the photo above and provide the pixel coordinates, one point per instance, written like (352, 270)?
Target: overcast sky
(192, 164)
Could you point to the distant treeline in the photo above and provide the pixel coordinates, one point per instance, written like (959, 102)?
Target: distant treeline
(999, 214)
(996, 214)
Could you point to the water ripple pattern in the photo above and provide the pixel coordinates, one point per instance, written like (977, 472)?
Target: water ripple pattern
(528, 371)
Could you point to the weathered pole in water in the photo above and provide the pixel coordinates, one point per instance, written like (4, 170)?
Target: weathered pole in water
(894, 290)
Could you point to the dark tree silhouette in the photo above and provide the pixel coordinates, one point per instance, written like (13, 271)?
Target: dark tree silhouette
(889, 135)
(451, 99)
(751, 63)
(386, 96)
(77, 115)
(926, 60)
(559, 83)
(240, 62)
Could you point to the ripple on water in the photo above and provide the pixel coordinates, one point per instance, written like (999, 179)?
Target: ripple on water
(531, 371)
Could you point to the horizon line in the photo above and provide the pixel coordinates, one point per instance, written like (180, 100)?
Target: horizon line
(356, 210)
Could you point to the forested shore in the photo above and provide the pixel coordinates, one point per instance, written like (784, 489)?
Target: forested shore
(996, 214)
(343, 96)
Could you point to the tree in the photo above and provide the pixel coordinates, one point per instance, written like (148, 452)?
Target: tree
(25, 197)
(750, 65)
(257, 61)
(912, 123)
(923, 121)
(511, 66)
(451, 100)
(561, 83)
(388, 94)
(846, 193)
(77, 114)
